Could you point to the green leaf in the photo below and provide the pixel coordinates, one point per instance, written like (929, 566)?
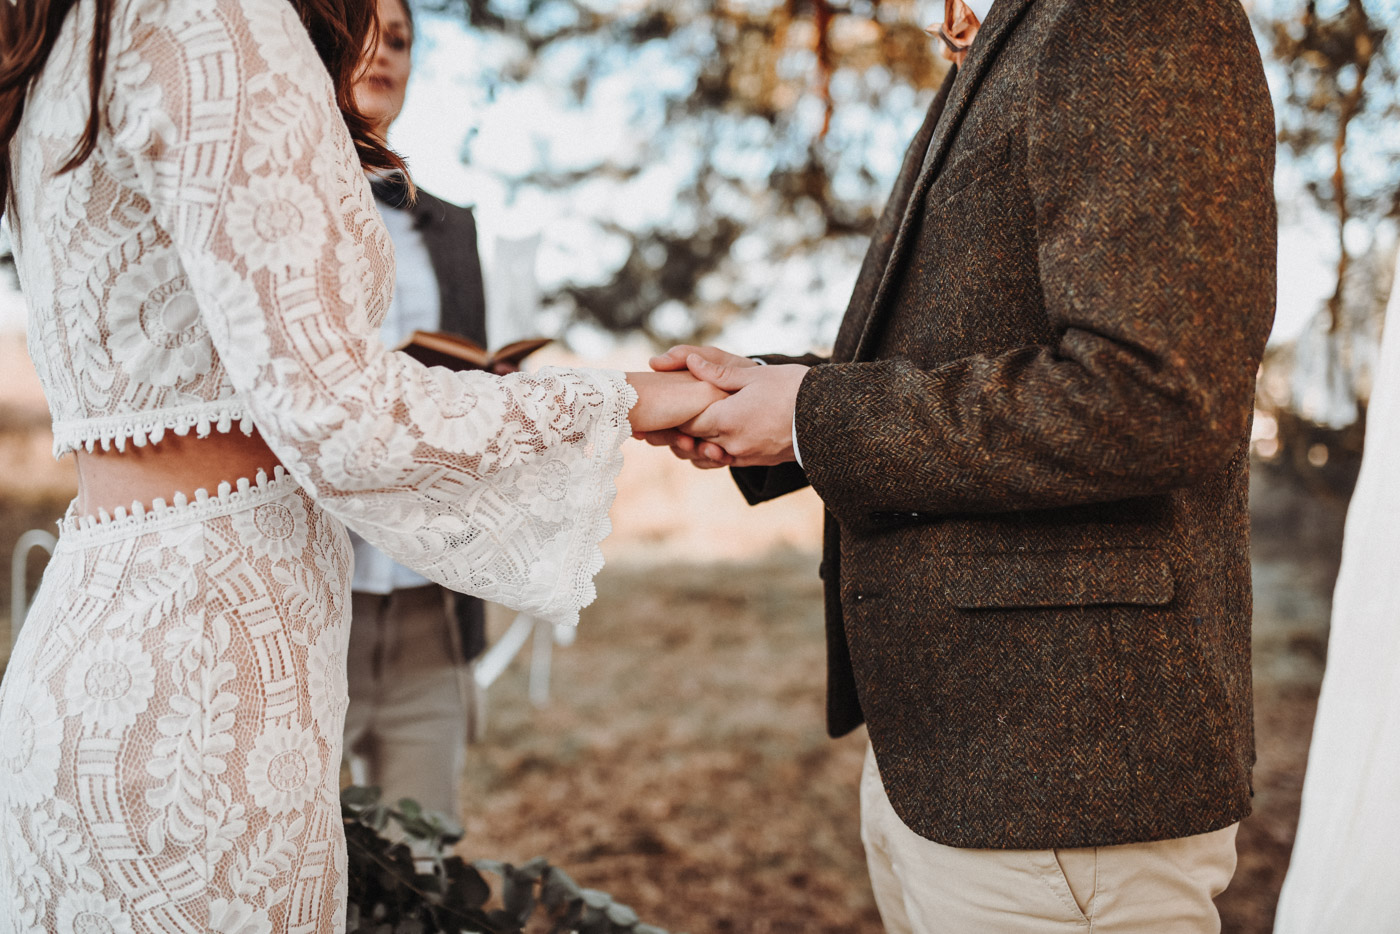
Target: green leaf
(466, 887)
(518, 895)
(491, 865)
(594, 921)
(376, 817)
(444, 826)
(558, 889)
(359, 797)
(622, 915)
(569, 919)
(418, 829)
(596, 899)
(647, 929)
(534, 868)
(410, 809)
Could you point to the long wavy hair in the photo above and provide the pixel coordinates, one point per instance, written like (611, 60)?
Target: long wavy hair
(28, 30)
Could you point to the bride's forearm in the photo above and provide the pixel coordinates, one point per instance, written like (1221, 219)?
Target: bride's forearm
(665, 400)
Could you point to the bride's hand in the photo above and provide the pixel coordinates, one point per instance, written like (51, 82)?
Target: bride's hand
(665, 400)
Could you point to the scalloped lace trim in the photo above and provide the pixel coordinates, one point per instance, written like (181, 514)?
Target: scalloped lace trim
(141, 428)
(140, 519)
(586, 542)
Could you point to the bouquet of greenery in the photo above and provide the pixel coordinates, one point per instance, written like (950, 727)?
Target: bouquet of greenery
(392, 891)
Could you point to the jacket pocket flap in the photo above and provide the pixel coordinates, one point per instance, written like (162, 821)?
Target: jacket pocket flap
(1060, 578)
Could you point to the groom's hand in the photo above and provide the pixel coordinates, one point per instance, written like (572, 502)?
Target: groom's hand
(688, 448)
(675, 358)
(702, 454)
(752, 427)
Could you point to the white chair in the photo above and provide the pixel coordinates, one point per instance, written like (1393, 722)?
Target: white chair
(19, 563)
(496, 659)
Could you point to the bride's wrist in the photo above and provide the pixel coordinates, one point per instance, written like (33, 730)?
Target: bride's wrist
(652, 399)
(665, 400)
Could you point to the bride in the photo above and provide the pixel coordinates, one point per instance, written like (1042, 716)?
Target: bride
(205, 269)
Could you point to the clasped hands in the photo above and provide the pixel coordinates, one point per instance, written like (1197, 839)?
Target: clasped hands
(717, 409)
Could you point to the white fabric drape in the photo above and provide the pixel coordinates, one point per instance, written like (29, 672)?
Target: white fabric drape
(1342, 877)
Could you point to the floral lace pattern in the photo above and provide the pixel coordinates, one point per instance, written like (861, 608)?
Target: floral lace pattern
(170, 723)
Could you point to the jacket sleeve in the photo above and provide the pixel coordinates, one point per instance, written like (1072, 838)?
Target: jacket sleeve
(1150, 160)
(496, 487)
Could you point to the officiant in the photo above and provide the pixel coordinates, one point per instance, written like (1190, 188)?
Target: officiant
(413, 698)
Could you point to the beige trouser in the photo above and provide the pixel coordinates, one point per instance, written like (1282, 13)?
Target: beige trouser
(410, 699)
(922, 887)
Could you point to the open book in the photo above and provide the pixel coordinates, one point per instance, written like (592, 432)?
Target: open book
(438, 348)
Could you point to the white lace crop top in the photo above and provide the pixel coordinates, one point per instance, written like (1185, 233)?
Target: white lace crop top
(219, 262)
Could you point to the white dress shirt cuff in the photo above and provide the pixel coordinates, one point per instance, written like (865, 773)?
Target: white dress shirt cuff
(797, 455)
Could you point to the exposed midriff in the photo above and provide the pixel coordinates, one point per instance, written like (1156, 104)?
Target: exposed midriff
(112, 480)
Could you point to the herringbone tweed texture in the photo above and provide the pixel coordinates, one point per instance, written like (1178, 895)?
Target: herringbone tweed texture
(1033, 435)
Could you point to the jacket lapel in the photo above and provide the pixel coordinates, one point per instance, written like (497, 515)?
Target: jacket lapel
(1002, 19)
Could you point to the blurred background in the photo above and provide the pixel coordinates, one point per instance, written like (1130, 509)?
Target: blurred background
(646, 172)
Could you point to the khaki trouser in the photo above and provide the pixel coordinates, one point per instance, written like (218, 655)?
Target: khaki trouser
(922, 887)
(410, 699)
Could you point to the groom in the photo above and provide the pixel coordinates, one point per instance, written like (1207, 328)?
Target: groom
(1032, 443)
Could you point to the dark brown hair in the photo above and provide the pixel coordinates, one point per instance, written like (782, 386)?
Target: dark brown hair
(28, 30)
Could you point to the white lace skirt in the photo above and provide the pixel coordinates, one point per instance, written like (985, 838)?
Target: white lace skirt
(170, 724)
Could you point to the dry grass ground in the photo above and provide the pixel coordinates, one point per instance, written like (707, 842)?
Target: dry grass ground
(683, 766)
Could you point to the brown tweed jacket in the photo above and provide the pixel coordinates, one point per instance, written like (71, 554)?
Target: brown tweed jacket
(1032, 438)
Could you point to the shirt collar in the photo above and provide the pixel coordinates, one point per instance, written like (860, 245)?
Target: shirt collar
(980, 7)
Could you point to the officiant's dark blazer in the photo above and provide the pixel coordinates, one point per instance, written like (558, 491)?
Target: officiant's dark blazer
(449, 235)
(1032, 438)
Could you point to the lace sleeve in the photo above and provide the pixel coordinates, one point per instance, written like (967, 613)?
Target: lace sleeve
(498, 487)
